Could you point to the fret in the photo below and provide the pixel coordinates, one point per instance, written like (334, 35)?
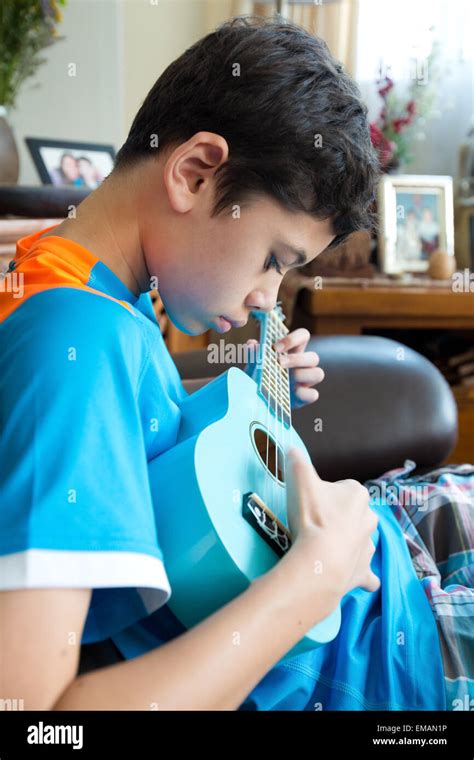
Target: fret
(273, 380)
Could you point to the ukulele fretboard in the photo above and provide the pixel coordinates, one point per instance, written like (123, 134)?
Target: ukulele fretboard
(273, 379)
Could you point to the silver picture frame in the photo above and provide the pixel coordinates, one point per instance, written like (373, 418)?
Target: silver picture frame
(416, 217)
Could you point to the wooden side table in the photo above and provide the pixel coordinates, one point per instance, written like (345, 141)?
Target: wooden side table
(350, 310)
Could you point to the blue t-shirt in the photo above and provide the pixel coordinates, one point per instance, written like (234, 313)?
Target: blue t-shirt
(89, 394)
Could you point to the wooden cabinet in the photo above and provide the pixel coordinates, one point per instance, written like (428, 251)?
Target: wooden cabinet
(354, 310)
(464, 451)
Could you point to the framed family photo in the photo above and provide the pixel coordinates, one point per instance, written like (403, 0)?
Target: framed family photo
(416, 218)
(72, 164)
(464, 232)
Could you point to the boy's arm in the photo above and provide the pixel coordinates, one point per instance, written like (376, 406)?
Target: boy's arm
(40, 637)
(216, 664)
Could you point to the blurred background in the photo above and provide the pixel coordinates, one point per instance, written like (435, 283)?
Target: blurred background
(120, 47)
(73, 74)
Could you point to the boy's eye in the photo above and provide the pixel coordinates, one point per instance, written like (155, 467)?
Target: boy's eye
(273, 263)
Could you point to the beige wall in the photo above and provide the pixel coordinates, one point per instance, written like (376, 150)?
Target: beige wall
(154, 34)
(86, 107)
(119, 47)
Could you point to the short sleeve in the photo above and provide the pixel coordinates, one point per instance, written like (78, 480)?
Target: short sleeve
(75, 502)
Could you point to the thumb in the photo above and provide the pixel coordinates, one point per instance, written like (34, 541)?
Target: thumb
(300, 462)
(251, 343)
(251, 356)
(252, 346)
(301, 479)
(372, 583)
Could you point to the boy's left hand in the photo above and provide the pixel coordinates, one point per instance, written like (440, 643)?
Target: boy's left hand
(304, 372)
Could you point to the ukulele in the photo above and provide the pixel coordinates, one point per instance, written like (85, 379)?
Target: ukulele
(219, 493)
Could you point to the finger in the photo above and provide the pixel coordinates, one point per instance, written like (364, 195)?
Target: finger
(296, 341)
(301, 464)
(305, 359)
(308, 395)
(251, 343)
(374, 521)
(372, 583)
(308, 375)
(252, 346)
(300, 480)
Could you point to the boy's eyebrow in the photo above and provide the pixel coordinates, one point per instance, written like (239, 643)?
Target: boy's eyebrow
(300, 254)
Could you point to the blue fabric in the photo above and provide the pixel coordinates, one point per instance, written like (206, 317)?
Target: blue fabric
(385, 657)
(89, 394)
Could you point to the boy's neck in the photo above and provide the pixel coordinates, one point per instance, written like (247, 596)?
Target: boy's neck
(106, 224)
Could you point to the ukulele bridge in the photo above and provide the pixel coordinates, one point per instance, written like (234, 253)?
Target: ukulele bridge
(266, 523)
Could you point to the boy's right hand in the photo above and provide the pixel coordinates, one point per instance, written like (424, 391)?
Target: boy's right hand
(331, 524)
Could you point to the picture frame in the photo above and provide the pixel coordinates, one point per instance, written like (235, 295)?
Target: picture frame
(464, 232)
(71, 164)
(416, 217)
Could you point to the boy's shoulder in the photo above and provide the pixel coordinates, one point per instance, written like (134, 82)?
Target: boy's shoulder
(65, 314)
(51, 271)
(66, 310)
(50, 330)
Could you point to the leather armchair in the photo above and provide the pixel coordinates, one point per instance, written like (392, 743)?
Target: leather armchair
(380, 403)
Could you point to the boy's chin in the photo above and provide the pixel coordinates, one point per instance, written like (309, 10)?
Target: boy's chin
(192, 327)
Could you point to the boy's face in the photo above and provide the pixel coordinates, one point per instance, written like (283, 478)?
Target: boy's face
(214, 267)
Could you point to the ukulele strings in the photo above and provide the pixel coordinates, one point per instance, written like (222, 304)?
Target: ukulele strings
(267, 365)
(277, 367)
(281, 381)
(274, 371)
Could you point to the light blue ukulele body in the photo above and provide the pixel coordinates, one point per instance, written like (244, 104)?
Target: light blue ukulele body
(218, 489)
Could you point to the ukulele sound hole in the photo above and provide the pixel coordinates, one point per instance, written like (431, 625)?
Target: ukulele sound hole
(270, 453)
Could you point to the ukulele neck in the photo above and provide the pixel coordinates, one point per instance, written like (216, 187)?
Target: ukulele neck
(273, 380)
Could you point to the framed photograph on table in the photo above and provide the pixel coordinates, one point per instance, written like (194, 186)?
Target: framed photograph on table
(464, 232)
(72, 164)
(416, 218)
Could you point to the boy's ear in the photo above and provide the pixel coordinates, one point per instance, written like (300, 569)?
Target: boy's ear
(191, 166)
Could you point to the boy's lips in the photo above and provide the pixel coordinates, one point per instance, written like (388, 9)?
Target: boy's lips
(225, 324)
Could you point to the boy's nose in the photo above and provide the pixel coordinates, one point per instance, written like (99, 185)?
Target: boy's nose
(262, 301)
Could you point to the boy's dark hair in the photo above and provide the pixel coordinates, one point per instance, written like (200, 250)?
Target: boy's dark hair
(293, 119)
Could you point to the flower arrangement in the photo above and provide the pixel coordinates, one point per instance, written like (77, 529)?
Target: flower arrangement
(26, 27)
(401, 119)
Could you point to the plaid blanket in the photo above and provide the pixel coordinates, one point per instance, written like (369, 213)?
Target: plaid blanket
(436, 513)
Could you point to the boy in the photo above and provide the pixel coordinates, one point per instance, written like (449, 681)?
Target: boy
(250, 153)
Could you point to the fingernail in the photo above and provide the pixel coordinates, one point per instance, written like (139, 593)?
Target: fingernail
(284, 360)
